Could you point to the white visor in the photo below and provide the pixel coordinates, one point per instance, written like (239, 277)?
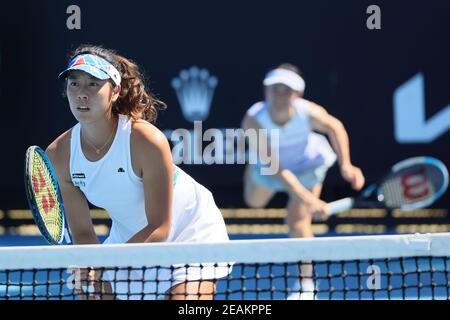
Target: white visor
(286, 77)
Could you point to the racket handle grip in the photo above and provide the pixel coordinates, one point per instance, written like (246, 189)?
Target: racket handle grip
(340, 205)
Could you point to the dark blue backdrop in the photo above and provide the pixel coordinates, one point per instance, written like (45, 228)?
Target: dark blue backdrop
(350, 70)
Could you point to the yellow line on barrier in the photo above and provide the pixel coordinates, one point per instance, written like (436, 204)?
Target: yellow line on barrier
(422, 228)
(24, 230)
(253, 213)
(354, 213)
(269, 229)
(19, 214)
(360, 228)
(268, 213)
(103, 230)
(32, 230)
(363, 213)
(424, 213)
(99, 214)
(26, 214)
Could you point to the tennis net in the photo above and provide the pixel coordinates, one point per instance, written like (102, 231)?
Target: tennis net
(363, 267)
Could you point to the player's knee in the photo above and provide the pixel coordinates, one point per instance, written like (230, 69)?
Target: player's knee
(252, 199)
(300, 230)
(298, 221)
(297, 210)
(254, 202)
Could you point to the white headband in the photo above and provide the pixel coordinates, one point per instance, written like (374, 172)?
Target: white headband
(286, 77)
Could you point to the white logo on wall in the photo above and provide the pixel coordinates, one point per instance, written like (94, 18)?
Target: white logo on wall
(410, 124)
(374, 20)
(373, 282)
(73, 22)
(195, 90)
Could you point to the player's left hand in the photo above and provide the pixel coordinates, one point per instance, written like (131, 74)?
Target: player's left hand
(91, 287)
(353, 175)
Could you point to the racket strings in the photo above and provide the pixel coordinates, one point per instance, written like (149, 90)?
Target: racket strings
(411, 185)
(46, 196)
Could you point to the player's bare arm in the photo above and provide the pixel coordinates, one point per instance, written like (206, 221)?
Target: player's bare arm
(75, 204)
(323, 122)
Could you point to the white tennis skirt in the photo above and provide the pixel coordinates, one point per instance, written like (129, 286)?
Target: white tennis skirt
(201, 223)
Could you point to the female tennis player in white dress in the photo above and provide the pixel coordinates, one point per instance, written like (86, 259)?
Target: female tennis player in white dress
(117, 160)
(304, 155)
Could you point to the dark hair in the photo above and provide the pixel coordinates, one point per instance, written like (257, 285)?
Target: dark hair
(134, 99)
(290, 67)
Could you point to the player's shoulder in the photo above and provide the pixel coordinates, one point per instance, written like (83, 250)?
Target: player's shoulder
(252, 114)
(306, 106)
(256, 108)
(302, 103)
(145, 134)
(59, 150)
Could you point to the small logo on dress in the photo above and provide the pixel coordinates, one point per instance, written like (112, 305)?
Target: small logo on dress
(120, 170)
(77, 179)
(195, 89)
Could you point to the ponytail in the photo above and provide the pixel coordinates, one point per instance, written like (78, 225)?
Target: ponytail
(134, 100)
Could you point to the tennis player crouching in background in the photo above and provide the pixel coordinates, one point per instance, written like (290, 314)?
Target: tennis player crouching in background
(117, 160)
(304, 158)
(304, 155)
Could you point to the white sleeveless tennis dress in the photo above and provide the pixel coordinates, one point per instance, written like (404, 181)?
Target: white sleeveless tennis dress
(306, 153)
(111, 183)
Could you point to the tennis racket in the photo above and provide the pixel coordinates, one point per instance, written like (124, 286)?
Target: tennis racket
(45, 201)
(44, 196)
(411, 184)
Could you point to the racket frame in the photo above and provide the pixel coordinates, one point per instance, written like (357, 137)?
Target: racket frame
(350, 202)
(32, 199)
(414, 161)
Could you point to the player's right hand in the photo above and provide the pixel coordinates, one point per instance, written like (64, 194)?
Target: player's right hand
(353, 175)
(317, 207)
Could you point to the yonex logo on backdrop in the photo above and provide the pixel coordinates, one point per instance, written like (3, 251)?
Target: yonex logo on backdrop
(195, 90)
(120, 170)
